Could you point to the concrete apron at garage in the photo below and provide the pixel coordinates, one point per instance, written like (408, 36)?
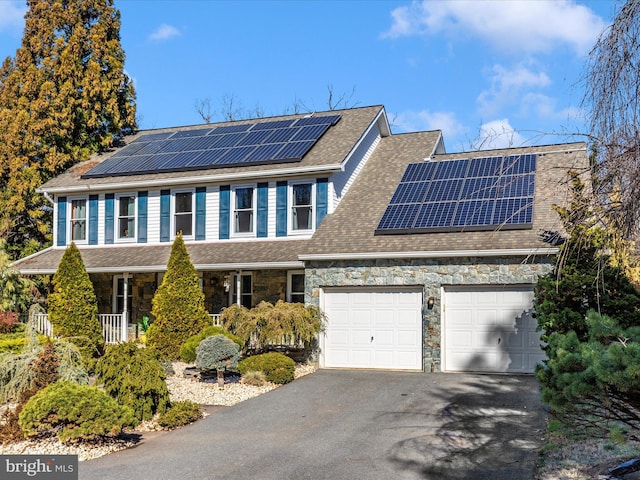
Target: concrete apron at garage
(353, 424)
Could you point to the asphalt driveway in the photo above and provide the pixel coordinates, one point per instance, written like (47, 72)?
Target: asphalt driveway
(352, 425)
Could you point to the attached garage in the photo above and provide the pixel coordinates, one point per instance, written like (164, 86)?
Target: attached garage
(490, 329)
(373, 328)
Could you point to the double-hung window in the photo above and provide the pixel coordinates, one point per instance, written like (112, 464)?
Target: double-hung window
(244, 217)
(78, 219)
(295, 287)
(183, 213)
(126, 217)
(302, 211)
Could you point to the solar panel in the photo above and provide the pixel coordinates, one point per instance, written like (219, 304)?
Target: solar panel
(274, 141)
(467, 194)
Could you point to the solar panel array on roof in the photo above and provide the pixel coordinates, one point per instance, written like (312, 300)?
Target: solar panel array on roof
(463, 195)
(276, 141)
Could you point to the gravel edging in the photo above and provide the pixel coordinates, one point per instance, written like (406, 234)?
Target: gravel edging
(180, 388)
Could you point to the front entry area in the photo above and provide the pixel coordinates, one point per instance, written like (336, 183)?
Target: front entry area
(372, 328)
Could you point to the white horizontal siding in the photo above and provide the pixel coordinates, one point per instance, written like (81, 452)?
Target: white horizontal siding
(101, 214)
(212, 231)
(153, 216)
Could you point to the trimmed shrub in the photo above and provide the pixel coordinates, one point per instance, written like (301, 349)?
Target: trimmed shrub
(12, 345)
(134, 377)
(73, 308)
(178, 305)
(179, 414)
(217, 353)
(73, 412)
(8, 321)
(278, 368)
(188, 348)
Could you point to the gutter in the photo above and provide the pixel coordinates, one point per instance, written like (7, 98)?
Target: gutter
(214, 178)
(516, 252)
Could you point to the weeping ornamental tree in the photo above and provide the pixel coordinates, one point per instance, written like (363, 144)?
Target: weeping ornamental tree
(73, 308)
(63, 97)
(178, 304)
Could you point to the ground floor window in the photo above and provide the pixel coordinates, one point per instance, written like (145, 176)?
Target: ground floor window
(295, 287)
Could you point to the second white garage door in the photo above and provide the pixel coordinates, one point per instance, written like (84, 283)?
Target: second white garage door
(490, 329)
(373, 328)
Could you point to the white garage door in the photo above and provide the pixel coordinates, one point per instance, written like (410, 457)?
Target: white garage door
(490, 329)
(373, 328)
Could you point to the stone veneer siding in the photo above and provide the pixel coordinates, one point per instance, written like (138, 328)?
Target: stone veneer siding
(432, 274)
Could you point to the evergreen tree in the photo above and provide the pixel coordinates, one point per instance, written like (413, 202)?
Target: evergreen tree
(73, 308)
(178, 304)
(15, 290)
(63, 97)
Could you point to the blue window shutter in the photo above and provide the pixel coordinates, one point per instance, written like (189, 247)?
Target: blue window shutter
(108, 217)
(263, 210)
(143, 202)
(225, 211)
(93, 219)
(165, 215)
(281, 209)
(322, 199)
(62, 221)
(201, 212)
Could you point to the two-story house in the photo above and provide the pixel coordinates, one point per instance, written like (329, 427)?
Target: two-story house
(421, 260)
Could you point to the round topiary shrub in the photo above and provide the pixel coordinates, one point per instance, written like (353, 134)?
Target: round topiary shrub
(73, 412)
(134, 377)
(217, 353)
(277, 367)
(179, 414)
(188, 349)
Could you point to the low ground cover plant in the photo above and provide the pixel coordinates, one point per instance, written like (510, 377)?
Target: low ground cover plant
(179, 414)
(74, 412)
(277, 367)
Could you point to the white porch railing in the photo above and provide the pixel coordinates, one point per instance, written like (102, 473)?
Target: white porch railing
(114, 330)
(215, 319)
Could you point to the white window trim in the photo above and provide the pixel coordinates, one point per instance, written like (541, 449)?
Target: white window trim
(290, 229)
(70, 239)
(232, 219)
(290, 273)
(193, 213)
(133, 239)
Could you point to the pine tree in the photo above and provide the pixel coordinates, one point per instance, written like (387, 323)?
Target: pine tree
(73, 307)
(178, 304)
(63, 97)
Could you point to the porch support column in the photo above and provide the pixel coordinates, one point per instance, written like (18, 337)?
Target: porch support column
(124, 324)
(239, 287)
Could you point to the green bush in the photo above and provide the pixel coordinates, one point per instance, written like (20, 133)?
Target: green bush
(268, 324)
(278, 368)
(188, 348)
(134, 377)
(73, 412)
(179, 414)
(178, 305)
(12, 345)
(73, 308)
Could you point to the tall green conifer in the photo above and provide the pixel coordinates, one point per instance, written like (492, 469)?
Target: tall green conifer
(63, 97)
(178, 304)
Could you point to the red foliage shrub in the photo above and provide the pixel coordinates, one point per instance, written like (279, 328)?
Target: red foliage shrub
(8, 321)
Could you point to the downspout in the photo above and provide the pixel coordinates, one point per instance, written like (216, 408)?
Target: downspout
(125, 313)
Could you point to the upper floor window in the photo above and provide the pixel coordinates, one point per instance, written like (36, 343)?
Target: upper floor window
(183, 213)
(244, 211)
(126, 217)
(302, 212)
(78, 219)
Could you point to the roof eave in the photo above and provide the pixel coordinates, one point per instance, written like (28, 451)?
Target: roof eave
(505, 252)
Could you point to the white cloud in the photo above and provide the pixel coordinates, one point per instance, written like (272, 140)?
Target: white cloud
(498, 134)
(164, 32)
(12, 14)
(523, 26)
(410, 121)
(507, 85)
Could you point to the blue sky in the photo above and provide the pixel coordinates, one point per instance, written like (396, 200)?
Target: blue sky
(487, 73)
